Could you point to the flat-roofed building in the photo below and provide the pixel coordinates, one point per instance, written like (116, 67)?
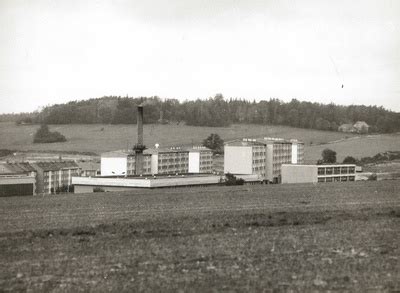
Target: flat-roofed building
(263, 157)
(17, 179)
(54, 177)
(172, 160)
(318, 173)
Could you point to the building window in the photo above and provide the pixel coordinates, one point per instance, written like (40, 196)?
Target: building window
(344, 170)
(329, 171)
(321, 171)
(329, 179)
(321, 179)
(336, 170)
(352, 178)
(343, 178)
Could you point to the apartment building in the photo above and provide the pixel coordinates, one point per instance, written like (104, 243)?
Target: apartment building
(318, 173)
(54, 177)
(172, 160)
(263, 157)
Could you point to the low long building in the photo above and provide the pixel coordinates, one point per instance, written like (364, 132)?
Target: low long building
(88, 185)
(318, 173)
(17, 179)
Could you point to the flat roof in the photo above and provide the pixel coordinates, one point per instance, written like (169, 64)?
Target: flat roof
(147, 182)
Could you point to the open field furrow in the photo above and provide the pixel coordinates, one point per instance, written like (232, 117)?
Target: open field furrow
(337, 237)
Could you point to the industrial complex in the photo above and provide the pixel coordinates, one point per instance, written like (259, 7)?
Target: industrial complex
(254, 161)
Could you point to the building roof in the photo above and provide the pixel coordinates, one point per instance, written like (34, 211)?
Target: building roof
(153, 151)
(88, 166)
(55, 166)
(16, 168)
(261, 141)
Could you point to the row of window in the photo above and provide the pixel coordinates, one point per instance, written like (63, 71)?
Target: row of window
(335, 170)
(337, 179)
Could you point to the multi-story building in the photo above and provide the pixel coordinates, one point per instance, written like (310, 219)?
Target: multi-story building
(172, 160)
(318, 173)
(89, 169)
(54, 177)
(263, 157)
(245, 157)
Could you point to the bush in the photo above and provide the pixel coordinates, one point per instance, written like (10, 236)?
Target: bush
(373, 177)
(232, 180)
(328, 156)
(349, 160)
(98, 189)
(44, 135)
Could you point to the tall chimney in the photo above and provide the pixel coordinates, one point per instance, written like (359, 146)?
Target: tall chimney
(140, 124)
(139, 146)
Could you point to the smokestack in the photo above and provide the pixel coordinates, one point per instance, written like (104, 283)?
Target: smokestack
(139, 146)
(140, 124)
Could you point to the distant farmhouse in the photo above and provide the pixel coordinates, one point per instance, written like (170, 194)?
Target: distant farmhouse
(358, 127)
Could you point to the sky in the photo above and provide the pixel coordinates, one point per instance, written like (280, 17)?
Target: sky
(58, 51)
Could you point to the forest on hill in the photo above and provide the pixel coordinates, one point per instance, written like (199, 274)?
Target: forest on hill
(216, 111)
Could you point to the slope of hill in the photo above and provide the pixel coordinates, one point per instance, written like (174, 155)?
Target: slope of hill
(99, 138)
(357, 147)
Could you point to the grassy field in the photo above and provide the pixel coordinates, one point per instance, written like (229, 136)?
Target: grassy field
(91, 138)
(358, 147)
(338, 237)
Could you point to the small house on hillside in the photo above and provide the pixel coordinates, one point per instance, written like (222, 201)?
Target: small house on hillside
(361, 127)
(358, 127)
(347, 128)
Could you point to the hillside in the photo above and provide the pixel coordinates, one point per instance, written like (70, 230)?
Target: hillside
(100, 138)
(357, 147)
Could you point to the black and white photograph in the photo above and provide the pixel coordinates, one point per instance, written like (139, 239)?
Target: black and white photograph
(199, 146)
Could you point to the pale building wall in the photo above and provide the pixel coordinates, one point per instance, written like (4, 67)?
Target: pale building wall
(299, 173)
(238, 159)
(113, 166)
(194, 162)
(154, 164)
(294, 153)
(269, 162)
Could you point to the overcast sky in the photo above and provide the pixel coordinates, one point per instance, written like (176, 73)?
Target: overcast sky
(57, 51)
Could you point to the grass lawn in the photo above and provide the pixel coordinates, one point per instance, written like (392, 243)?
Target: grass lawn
(91, 137)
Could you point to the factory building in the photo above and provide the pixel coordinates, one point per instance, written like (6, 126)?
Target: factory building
(318, 173)
(263, 157)
(157, 161)
(55, 177)
(17, 179)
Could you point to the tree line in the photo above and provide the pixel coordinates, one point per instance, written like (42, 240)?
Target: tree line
(215, 111)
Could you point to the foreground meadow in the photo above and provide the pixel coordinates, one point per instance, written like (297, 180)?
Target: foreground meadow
(341, 237)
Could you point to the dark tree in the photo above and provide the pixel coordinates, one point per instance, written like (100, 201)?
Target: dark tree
(215, 143)
(232, 180)
(328, 156)
(44, 135)
(349, 160)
